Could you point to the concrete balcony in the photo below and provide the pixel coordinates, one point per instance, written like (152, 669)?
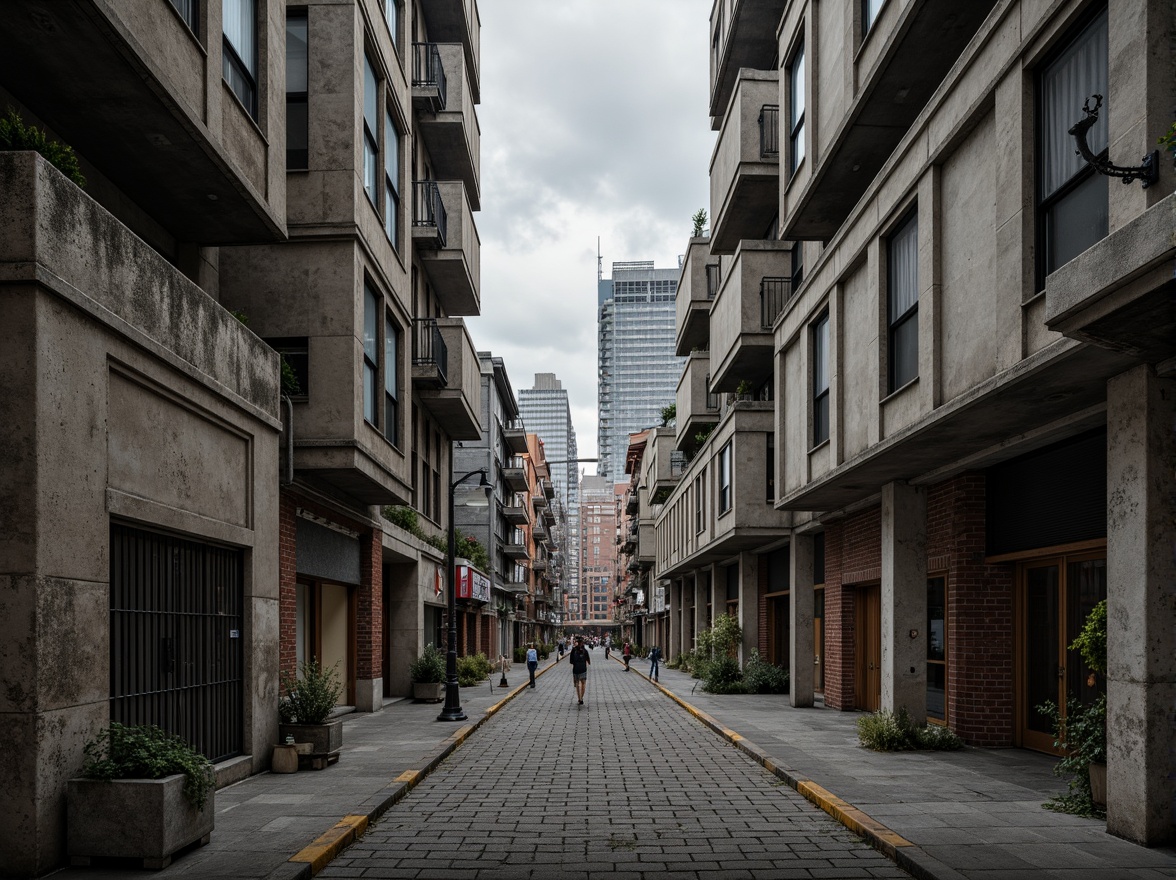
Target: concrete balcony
(666, 465)
(910, 50)
(516, 515)
(646, 552)
(446, 239)
(696, 405)
(747, 38)
(515, 436)
(136, 94)
(696, 291)
(745, 166)
(449, 125)
(456, 404)
(514, 474)
(753, 294)
(457, 21)
(515, 547)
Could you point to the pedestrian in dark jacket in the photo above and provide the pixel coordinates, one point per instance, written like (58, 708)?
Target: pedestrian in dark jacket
(654, 660)
(627, 653)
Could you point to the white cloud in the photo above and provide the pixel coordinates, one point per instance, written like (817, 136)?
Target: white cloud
(594, 124)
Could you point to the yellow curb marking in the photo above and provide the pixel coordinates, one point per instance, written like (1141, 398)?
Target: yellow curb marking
(849, 816)
(331, 843)
(409, 776)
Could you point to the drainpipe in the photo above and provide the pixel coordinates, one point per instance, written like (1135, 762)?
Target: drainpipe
(288, 477)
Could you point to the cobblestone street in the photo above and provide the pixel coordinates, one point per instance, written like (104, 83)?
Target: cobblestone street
(629, 784)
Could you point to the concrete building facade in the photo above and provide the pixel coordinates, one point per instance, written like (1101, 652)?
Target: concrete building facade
(936, 348)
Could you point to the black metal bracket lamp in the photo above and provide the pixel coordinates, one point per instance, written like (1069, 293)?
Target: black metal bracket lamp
(1146, 173)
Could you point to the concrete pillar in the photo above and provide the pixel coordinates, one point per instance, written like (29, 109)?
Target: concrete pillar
(904, 599)
(1141, 607)
(700, 621)
(748, 604)
(800, 620)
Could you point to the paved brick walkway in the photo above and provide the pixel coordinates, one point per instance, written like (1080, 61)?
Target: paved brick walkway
(629, 785)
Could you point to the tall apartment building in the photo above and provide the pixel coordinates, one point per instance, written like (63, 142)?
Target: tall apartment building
(313, 170)
(598, 555)
(545, 410)
(638, 369)
(941, 351)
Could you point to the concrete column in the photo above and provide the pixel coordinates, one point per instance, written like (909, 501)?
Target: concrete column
(1141, 607)
(800, 620)
(748, 604)
(700, 621)
(904, 599)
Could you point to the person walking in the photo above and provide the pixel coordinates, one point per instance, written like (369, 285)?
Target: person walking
(580, 660)
(532, 662)
(627, 653)
(654, 660)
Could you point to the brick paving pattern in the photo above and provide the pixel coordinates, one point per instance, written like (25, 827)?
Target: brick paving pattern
(628, 785)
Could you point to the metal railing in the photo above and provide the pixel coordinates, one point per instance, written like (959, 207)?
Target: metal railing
(678, 463)
(774, 294)
(428, 209)
(427, 71)
(769, 125)
(429, 348)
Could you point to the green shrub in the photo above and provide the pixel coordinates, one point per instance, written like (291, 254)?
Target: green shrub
(936, 738)
(15, 135)
(761, 677)
(146, 752)
(1091, 642)
(311, 695)
(467, 547)
(1082, 735)
(471, 670)
(429, 668)
(885, 731)
(723, 676)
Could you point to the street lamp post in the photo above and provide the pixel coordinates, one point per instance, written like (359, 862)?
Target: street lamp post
(452, 710)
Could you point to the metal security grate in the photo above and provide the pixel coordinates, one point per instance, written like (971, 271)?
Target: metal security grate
(175, 638)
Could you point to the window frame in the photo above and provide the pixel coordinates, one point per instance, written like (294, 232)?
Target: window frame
(942, 661)
(372, 309)
(796, 122)
(909, 317)
(724, 479)
(371, 140)
(867, 19)
(392, 343)
(819, 330)
(234, 63)
(298, 98)
(189, 13)
(392, 136)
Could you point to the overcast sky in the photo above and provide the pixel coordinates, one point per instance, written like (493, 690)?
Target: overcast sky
(594, 124)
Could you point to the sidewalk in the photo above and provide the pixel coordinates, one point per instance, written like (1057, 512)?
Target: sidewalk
(944, 815)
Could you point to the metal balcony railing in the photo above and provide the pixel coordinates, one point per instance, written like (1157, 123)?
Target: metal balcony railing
(678, 463)
(769, 125)
(428, 209)
(428, 347)
(427, 71)
(774, 294)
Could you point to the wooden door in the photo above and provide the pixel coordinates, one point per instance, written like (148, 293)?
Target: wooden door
(868, 635)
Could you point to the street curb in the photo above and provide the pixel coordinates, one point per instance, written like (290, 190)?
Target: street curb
(312, 858)
(898, 849)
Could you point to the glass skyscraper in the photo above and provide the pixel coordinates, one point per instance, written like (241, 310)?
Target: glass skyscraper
(638, 370)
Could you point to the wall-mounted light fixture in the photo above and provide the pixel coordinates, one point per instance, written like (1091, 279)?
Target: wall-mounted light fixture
(1147, 173)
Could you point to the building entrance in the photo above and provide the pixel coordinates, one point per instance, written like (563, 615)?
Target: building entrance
(868, 639)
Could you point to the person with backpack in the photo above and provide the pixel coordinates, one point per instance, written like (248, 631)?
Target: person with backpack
(580, 660)
(654, 660)
(627, 653)
(532, 662)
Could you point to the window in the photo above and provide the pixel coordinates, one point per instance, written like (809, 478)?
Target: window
(902, 308)
(392, 16)
(240, 51)
(821, 380)
(371, 352)
(797, 265)
(392, 181)
(295, 354)
(391, 378)
(870, 10)
(725, 478)
(371, 148)
(937, 648)
(700, 502)
(189, 11)
(297, 119)
(770, 467)
(1072, 197)
(796, 110)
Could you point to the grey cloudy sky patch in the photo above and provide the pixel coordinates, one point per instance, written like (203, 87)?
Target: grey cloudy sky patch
(594, 124)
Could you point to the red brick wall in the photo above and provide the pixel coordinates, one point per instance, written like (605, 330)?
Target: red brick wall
(761, 615)
(287, 585)
(369, 606)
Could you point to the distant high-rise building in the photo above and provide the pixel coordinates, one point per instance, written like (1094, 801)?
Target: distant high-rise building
(592, 608)
(638, 370)
(546, 412)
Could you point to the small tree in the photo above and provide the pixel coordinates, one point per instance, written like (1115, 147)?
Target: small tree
(699, 220)
(669, 414)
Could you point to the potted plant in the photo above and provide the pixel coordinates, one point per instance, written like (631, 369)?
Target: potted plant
(428, 675)
(148, 774)
(305, 712)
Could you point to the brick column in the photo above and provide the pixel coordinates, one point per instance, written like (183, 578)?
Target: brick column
(287, 585)
(369, 624)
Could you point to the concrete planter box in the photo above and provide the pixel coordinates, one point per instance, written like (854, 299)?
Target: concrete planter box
(147, 819)
(428, 692)
(325, 738)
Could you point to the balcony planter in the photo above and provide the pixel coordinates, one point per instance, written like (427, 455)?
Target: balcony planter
(118, 811)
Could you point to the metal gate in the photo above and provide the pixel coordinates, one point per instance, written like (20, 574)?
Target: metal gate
(175, 638)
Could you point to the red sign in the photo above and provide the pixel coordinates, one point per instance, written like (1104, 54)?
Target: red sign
(471, 583)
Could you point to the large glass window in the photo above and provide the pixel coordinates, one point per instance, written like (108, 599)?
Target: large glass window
(392, 181)
(297, 120)
(371, 352)
(902, 303)
(796, 110)
(189, 11)
(240, 51)
(1072, 197)
(392, 16)
(725, 478)
(821, 380)
(870, 10)
(391, 379)
(371, 148)
(937, 648)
